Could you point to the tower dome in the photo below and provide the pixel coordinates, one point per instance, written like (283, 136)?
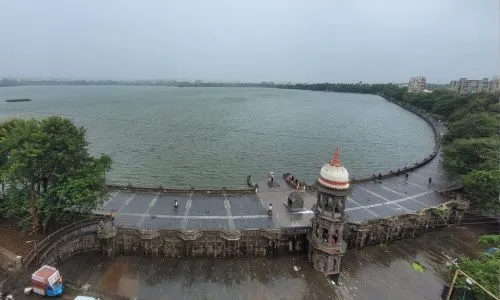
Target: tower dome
(333, 175)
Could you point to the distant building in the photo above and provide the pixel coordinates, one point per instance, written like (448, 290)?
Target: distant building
(465, 86)
(417, 84)
(495, 84)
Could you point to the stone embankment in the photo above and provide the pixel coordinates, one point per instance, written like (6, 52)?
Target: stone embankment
(97, 235)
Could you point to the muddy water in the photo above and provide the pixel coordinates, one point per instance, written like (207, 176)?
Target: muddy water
(381, 272)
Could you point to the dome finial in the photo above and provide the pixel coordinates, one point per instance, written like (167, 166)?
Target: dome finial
(336, 161)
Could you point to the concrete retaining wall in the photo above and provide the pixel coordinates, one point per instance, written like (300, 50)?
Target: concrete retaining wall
(220, 191)
(96, 235)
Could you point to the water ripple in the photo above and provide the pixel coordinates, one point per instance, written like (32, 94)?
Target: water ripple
(214, 137)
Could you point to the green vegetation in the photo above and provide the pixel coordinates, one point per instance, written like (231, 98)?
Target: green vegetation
(46, 172)
(417, 267)
(442, 212)
(484, 269)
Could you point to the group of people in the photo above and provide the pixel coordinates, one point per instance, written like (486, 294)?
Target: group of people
(293, 181)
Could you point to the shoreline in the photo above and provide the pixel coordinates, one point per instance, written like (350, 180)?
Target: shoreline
(433, 124)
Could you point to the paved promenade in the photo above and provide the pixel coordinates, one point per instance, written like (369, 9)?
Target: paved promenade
(368, 200)
(150, 210)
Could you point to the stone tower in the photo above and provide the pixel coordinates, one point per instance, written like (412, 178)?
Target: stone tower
(326, 245)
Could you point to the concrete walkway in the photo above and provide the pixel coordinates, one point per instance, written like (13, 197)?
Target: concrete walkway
(375, 199)
(150, 210)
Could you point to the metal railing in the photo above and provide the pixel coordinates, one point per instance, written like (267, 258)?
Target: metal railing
(41, 249)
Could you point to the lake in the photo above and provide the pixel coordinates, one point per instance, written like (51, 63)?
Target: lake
(215, 137)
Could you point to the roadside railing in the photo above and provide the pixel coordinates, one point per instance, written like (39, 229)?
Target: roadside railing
(41, 249)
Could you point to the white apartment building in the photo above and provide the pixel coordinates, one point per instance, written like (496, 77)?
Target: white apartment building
(417, 84)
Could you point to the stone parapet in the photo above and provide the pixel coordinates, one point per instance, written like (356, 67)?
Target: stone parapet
(49, 243)
(386, 230)
(113, 241)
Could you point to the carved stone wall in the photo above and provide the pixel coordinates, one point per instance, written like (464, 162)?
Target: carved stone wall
(89, 236)
(384, 231)
(173, 243)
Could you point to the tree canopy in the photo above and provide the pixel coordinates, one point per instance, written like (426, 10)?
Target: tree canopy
(466, 155)
(483, 269)
(476, 125)
(47, 172)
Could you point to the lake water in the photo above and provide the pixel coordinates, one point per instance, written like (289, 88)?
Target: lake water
(215, 137)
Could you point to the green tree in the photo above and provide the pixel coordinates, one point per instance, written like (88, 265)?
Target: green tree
(448, 103)
(5, 130)
(490, 240)
(485, 269)
(474, 104)
(462, 156)
(49, 171)
(422, 100)
(474, 126)
(484, 189)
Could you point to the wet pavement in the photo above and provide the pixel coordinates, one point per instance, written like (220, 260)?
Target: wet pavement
(380, 272)
(157, 211)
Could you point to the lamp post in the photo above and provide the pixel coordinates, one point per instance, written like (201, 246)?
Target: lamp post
(36, 251)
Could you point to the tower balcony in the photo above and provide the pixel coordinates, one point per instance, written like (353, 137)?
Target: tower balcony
(328, 247)
(328, 213)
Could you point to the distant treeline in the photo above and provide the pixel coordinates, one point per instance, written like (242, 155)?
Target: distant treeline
(5, 82)
(364, 88)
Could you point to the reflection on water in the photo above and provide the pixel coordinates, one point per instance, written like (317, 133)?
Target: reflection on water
(386, 271)
(380, 272)
(258, 278)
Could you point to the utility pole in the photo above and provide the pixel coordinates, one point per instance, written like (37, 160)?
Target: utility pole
(457, 272)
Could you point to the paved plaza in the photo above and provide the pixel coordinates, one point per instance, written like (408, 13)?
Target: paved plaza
(155, 210)
(368, 200)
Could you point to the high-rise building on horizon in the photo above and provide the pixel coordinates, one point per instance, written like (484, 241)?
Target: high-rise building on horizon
(417, 84)
(465, 86)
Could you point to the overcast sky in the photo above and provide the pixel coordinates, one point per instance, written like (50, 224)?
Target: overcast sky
(251, 40)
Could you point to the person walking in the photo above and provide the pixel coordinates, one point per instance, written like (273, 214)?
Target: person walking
(430, 180)
(406, 177)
